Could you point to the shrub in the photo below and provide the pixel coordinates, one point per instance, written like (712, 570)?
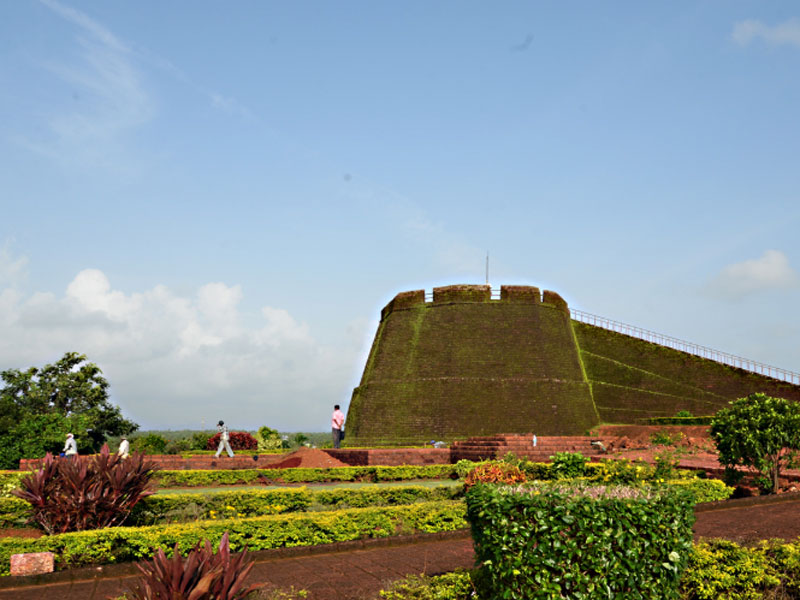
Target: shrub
(665, 438)
(569, 541)
(86, 493)
(199, 440)
(682, 414)
(301, 475)
(449, 586)
(152, 443)
(239, 440)
(117, 544)
(204, 575)
(267, 439)
(178, 446)
(494, 472)
(623, 471)
(566, 465)
(760, 432)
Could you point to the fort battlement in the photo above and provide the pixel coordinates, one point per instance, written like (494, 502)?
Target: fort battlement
(462, 294)
(466, 361)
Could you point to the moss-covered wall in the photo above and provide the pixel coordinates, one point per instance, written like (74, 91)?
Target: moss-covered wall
(467, 365)
(633, 379)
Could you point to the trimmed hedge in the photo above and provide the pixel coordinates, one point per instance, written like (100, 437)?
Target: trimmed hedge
(183, 508)
(197, 478)
(580, 541)
(14, 512)
(116, 544)
(680, 420)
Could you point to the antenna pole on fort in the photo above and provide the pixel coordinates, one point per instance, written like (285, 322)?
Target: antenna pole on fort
(487, 267)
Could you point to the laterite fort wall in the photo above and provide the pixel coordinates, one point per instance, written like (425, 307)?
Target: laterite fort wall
(633, 379)
(466, 365)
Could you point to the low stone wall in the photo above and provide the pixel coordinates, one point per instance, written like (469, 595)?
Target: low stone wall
(390, 457)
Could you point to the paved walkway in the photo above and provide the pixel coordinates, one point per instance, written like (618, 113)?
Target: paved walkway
(348, 571)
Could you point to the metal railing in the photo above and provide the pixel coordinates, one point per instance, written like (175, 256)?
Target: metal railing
(684, 346)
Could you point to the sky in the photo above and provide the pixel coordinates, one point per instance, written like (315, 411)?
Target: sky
(213, 201)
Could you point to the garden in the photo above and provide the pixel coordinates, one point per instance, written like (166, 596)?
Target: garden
(568, 528)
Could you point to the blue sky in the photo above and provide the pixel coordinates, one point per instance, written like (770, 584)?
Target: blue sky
(213, 201)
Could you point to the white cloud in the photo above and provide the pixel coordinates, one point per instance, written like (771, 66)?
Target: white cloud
(771, 271)
(177, 361)
(787, 32)
(12, 269)
(108, 96)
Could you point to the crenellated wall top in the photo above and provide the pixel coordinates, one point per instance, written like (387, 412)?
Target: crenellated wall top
(464, 294)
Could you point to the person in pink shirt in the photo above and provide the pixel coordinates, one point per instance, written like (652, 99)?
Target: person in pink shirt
(337, 422)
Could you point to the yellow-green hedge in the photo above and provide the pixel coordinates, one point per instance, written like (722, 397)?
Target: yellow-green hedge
(118, 544)
(191, 478)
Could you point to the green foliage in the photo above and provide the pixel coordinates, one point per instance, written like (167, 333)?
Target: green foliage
(665, 438)
(204, 478)
(622, 471)
(152, 443)
(10, 481)
(760, 432)
(554, 541)
(268, 439)
(14, 512)
(85, 493)
(566, 465)
(682, 414)
(450, 586)
(677, 420)
(703, 490)
(204, 575)
(722, 570)
(36, 435)
(117, 544)
(72, 389)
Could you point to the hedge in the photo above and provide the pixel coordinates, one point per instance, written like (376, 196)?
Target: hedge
(116, 544)
(680, 420)
(197, 478)
(717, 569)
(580, 541)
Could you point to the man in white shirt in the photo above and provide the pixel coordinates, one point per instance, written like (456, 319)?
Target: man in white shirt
(124, 448)
(70, 447)
(223, 440)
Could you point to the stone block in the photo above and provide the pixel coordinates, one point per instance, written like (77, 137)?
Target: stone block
(33, 563)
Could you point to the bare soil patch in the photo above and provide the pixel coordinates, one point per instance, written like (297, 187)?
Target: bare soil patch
(308, 458)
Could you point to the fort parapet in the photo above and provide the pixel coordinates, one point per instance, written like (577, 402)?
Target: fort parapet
(468, 364)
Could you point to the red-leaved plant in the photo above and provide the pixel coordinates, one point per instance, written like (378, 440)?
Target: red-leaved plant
(203, 575)
(239, 440)
(494, 472)
(75, 494)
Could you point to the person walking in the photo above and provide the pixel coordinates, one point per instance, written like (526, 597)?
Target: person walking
(337, 422)
(70, 447)
(223, 440)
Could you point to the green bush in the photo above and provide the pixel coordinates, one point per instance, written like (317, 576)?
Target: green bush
(566, 465)
(449, 586)
(116, 544)
(14, 512)
(152, 443)
(572, 541)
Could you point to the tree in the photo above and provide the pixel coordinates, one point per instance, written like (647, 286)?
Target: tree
(39, 406)
(760, 432)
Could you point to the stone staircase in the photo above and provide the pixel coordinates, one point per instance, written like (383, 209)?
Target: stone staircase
(497, 446)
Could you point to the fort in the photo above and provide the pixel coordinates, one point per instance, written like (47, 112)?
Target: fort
(466, 364)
